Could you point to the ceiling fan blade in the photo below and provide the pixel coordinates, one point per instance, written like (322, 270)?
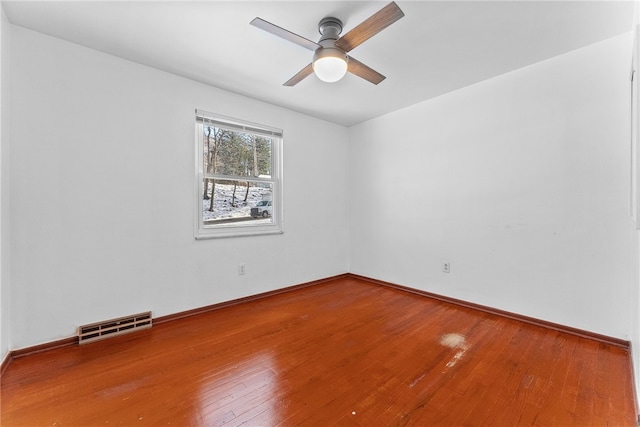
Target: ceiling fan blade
(305, 72)
(285, 34)
(359, 69)
(370, 27)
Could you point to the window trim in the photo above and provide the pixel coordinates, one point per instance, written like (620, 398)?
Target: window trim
(202, 231)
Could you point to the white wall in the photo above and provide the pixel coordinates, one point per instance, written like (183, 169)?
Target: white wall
(4, 126)
(521, 182)
(635, 322)
(102, 199)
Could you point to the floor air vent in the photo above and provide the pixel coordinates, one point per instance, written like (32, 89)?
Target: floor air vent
(113, 327)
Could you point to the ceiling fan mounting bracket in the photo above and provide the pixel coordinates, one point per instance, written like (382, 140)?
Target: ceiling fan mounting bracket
(330, 28)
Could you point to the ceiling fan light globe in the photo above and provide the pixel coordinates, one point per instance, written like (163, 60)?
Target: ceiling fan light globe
(330, 69)
(330, 65)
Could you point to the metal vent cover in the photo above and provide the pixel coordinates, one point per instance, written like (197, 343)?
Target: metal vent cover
(110, 328)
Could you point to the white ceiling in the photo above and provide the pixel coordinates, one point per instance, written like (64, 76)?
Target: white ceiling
(438, 47)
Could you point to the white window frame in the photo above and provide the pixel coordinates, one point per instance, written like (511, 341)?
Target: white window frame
(248, 228)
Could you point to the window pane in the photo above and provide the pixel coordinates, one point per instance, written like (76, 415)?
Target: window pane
(247, 202)
(227, 152)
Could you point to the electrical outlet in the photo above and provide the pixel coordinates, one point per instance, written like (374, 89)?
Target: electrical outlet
(446, 267)
(242, 270)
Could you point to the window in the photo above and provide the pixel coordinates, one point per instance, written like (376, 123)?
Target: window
(239, 177)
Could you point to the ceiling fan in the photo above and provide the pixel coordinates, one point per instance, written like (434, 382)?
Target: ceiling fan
(330, 59)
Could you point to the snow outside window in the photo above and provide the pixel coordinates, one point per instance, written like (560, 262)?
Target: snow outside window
(238, 179)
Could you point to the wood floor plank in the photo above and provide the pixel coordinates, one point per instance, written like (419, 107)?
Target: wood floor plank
(344, 352)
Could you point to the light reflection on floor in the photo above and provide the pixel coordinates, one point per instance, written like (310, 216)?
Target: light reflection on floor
(242, 393)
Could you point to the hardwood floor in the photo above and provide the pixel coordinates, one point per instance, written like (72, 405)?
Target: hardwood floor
(346, 352)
